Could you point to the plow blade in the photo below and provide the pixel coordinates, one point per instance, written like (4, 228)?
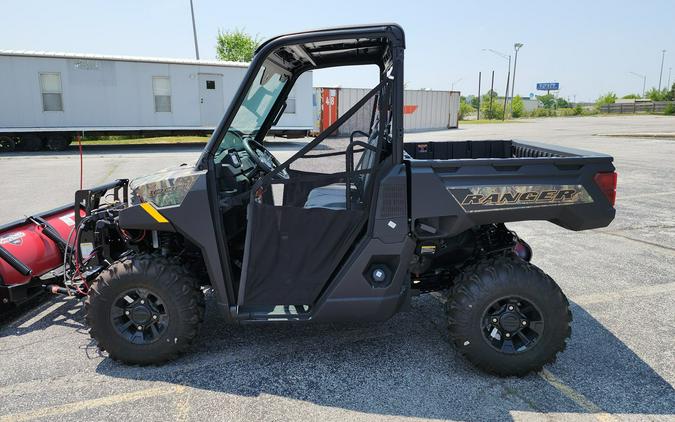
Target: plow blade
(31, 249)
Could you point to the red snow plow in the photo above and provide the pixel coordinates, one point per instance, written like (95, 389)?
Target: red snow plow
(40, 252)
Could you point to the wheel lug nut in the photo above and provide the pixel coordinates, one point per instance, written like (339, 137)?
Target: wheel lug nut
(510, 307)
(126, 312)
(142, 302)
(494, 320)
(524, 322)
(507, 335)
(154, 317)
(140, 328)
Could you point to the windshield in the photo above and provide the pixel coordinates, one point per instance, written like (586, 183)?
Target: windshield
(257, 104)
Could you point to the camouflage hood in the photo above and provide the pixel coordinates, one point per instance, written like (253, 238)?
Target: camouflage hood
(166, 187)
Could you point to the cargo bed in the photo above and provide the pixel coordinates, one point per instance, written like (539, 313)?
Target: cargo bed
(456, 185)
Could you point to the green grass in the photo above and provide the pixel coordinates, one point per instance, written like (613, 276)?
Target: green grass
(486, 122)
(148, 141)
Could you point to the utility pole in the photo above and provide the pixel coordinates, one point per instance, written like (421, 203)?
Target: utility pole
(478, 111)
(663, 55)
(508, 76)
(516, 47)
(644, 81)
(669, 70)
(194, 30)
(492, 90)
(506, 96)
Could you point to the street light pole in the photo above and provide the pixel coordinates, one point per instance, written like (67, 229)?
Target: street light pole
(452, 85)
(516, 47)
(669, 70)
(194, 30)
(644, 81)
(663, 55)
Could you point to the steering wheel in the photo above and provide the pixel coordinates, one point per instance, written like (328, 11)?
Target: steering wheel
(262, 157)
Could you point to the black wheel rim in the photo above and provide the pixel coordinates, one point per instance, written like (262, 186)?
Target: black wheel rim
(139, 316)
(512, 325)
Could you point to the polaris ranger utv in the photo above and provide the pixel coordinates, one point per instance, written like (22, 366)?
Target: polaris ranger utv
(352, 238)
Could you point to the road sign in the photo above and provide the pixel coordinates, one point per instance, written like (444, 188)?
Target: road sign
(548, 86)
(531, 95)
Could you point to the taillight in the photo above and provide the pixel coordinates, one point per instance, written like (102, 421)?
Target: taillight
(607, 184)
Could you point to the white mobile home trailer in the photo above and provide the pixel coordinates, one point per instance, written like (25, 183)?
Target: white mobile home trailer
(48, 98)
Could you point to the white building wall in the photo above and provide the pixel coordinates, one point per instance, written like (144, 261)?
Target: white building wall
(426, 110)
(118, 93)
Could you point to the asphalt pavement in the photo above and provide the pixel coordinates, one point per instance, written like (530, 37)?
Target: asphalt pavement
(619, 364)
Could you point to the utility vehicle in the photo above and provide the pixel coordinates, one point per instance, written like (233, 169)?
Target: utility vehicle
(345, 229)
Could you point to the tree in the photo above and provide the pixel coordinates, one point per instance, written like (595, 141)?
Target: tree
(236, 46)
(561, 103)
(518, 106)
(608, 98)
(548, 100)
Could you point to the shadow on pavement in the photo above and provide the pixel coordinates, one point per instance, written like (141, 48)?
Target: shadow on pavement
(405, 367)
(39, 313)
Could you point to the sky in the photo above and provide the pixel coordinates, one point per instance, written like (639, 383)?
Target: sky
(589, 47)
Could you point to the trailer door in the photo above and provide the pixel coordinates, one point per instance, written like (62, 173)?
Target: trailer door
(211, 100)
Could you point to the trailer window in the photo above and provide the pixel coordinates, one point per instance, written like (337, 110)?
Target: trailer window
(290, 105)
(161, 89)
(52, 95)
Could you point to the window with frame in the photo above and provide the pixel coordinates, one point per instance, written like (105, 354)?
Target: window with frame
(290, 105)
(161, 90)
(52, 92)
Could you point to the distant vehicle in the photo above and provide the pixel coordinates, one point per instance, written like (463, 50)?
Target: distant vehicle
(48, 98)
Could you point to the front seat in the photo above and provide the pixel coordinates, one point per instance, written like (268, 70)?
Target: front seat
(332, 197)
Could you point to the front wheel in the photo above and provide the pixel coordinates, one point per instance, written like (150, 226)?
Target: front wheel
(507, 316)
(144, 310)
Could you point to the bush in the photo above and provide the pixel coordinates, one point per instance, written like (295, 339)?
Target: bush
(578, 110)
(669, 110)
(567, 111)
(517, 106)
(541, 112)
(608, 98)
(465, 109)
(497, 111)
(656, 95)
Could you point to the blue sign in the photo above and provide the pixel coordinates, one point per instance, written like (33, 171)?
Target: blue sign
(548, 86)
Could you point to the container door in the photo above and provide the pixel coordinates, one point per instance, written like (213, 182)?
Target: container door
(211, 100)
(329, 107)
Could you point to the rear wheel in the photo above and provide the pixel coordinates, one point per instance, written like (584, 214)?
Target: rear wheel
(31, 143)
(145, 309)
(7, 144)
(507, 316)
(57, 142)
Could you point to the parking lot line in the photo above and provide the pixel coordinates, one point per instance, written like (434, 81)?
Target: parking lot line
(578, 398)
(69, 408)
(657, 289)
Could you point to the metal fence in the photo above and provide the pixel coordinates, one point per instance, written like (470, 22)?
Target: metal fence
(636, 107)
